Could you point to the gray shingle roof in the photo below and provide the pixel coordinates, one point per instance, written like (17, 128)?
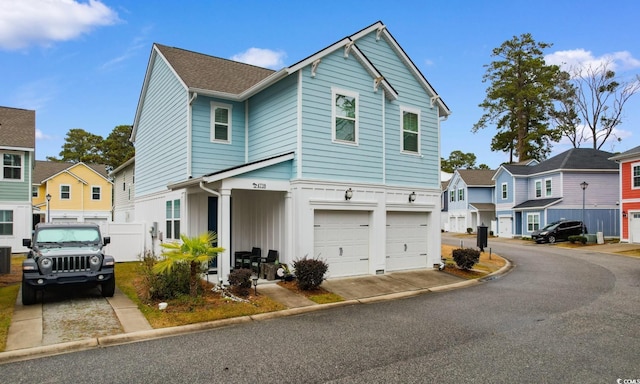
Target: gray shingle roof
(45, 169)
(477, 177)
(17, 127)
(211, 73)
(633, 152)
(573, 159)
(538, 203)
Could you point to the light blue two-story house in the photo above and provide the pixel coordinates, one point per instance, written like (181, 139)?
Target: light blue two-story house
(579, 184)
(17, 148)
(470, 200)
(334, 157)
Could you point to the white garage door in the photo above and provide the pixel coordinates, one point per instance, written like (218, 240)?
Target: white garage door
(461, 227)
(504, 224)
(634, 227)
(407, 234)
(341, 238)
(64, 219)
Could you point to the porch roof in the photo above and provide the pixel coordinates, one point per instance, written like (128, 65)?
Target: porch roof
(233, 171)
(537, 203)
(484, 207)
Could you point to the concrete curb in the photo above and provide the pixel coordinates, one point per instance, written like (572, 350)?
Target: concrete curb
(124, 338)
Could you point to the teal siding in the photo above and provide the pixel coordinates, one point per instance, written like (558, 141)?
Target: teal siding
(208, 156)
(18, 190)
(323, 159)
(161, 138)
(401, 168)
(282, 171)
(273, 120)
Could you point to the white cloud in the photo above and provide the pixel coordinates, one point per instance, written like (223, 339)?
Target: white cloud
(137, 44)
(41, 136)
(265, 58)
(41, 22)
(580, 58)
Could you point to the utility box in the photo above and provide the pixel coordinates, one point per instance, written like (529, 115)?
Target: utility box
(5, 260)
(482, 235)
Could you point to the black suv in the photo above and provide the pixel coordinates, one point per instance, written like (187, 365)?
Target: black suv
(559, 230)
(66, 254)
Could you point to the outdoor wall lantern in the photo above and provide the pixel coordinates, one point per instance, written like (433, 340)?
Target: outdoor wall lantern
(348, 194)
(624, 213)
(48, 209)
(412, 197)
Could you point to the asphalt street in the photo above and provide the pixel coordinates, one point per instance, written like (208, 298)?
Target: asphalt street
(560, 315)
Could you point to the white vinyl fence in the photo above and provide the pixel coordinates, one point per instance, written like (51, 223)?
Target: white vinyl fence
(127, 240)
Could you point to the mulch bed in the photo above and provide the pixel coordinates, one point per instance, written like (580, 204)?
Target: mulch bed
(293, 286)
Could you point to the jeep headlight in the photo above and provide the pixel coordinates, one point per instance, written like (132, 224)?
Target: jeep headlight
(94, 261)
(45, 265)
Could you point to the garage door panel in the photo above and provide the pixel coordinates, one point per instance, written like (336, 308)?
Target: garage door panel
(342, 240)
(407, 240)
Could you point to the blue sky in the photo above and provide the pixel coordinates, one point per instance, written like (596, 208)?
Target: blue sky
(81, 63)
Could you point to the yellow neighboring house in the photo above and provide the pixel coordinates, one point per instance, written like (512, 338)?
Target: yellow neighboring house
(71, 192)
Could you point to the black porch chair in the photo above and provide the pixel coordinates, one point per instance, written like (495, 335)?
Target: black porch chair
(271, 258)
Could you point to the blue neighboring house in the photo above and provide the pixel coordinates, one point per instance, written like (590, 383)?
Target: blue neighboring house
(470, 200)
(17, 148)
(529, 196)
(334, 157)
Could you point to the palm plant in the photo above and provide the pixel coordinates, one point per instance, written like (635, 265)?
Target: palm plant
(196, 251)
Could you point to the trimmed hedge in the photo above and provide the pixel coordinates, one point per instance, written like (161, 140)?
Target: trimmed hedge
(240, 281)
(309, 273)
(466, 258)
(577, 239)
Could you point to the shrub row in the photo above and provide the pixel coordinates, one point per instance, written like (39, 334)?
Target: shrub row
(466, 258)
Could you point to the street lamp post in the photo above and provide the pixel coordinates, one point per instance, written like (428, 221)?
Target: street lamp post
(48, 208)
(584, 186)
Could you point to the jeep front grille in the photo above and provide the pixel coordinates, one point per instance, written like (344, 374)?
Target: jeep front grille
(71, 264)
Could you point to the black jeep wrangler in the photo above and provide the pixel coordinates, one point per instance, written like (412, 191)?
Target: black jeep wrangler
(66, 254)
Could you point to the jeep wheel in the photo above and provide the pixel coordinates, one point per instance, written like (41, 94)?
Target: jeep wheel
(28, 294)
(109, 287)
(552, 239)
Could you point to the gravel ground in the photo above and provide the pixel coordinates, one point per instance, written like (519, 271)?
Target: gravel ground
(76, 315)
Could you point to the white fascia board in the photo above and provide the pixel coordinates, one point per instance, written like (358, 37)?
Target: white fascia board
(124, 165)
(17, 149)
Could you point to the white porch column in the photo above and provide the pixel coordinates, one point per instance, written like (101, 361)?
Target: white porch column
(224, 235)
(289, 235)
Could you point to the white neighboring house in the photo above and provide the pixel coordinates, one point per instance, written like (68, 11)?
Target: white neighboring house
(470, 200)
(124, 192)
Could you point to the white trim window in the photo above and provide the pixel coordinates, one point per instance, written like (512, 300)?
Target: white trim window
(173, 219)
(538, 188)
(65, 192)
(410, 123)
(6, 223)
(547, 188)
(221, 122)
(344, 116)
(635, 176)
(533, 222)
(461, 194)
(452, 194)
(11, 166)
(34, 190)
(505, 191)
(96, 192)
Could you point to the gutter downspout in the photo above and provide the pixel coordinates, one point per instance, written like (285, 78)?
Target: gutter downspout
(219, 196)
(194, 96)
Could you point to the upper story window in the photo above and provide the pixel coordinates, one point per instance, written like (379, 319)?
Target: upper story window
(96, 192)
(547, 188)
(504, 191)
(452, 194)
(65, 192)
(220, 122)
(538, 188)
(410, 130)
(11, 166)
(344, 111)
(461, 194)
(34, 190)
(635, 176)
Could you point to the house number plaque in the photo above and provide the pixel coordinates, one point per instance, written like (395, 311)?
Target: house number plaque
(259, 186)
